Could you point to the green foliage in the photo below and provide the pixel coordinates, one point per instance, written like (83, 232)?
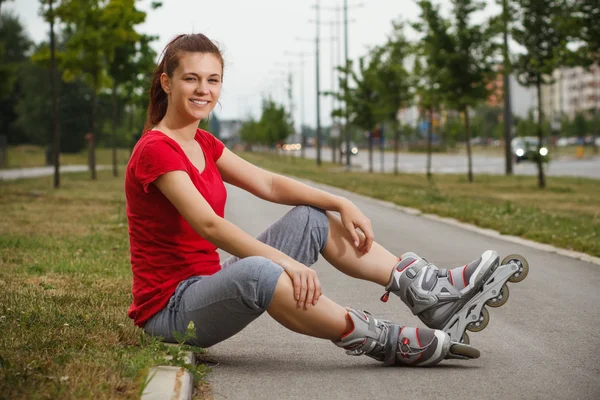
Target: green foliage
(393, 81)
(541, 33)
(275, 123)
(361, 97)
(33, 109)
(273, 127)
(14, 52)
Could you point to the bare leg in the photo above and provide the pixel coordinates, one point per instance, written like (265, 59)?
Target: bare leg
(375, 266)
(325, 320)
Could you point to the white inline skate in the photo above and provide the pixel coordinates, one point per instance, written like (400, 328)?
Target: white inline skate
(400, 345)
(454, 300)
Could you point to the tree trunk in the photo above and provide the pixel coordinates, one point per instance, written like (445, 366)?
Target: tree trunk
(114, 130)
(468, 135)
(429, 142)
(382, 148)
(370, 151)
(396, 148)
(596, 70)
(541, 178)
(92, 139)
(55, 116)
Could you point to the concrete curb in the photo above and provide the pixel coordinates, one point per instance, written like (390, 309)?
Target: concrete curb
(451, 221)
(170, 383)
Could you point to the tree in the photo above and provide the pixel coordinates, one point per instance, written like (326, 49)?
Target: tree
(539, 31)
(85, 25)
(49, 15)
(361, 97)
(469, 52)
(430, 69)
(393, 81)
(274, 123)
(120, 17)
(251, 133)
(15, 46)
(501, 26)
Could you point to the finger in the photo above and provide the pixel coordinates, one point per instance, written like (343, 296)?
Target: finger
(318, 291)
(353, 235)
(369, 237)
(310, 293)
(297, 286)
(303, 288)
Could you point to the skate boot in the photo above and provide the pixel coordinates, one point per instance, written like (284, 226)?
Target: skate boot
(395, 344)
(453, 300)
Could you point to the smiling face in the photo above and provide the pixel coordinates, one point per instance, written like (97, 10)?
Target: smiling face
(195, 86)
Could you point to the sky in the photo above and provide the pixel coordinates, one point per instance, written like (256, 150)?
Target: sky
(256, 38)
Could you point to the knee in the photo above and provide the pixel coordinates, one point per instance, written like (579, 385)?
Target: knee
(260, 276)
(315, 221)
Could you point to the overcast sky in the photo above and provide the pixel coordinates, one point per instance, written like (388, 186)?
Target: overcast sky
(255, 35)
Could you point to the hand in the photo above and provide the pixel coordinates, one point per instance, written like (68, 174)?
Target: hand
(353, 218)
(307, 288)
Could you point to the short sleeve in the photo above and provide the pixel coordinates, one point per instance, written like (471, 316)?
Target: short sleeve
(215, 146)
(157, 158)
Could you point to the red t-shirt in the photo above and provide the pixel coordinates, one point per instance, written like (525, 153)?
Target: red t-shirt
(165, 249)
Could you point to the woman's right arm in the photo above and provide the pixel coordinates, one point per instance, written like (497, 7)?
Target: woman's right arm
(181, 192)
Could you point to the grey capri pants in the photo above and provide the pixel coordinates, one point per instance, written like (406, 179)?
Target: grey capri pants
(222, 304)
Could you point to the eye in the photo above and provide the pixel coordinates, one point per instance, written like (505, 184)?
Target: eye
(214, 80)
(190, 79)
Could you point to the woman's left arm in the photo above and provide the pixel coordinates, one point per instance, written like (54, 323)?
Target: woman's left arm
(283, 190)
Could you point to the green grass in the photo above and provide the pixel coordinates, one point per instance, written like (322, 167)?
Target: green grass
(25, 156)
(65, 287)
(566, 214)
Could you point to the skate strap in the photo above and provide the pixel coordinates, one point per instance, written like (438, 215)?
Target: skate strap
(385, 296)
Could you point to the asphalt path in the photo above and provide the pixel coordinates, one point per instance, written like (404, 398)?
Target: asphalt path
(36, 172)
(456, 164)
(543, 344)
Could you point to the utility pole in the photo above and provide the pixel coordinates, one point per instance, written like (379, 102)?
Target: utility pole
(506, 89)
(302, 121)
(319, 138)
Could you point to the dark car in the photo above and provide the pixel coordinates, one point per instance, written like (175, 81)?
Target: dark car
(353, 148)
(526, 149)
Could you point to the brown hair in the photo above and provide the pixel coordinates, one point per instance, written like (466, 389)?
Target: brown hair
(190, 43)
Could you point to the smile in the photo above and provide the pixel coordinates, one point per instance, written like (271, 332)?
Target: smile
(199, 102)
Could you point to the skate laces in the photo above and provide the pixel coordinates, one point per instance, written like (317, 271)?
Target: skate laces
(406, 350)
(384, 327)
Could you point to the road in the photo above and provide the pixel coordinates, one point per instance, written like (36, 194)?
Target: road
(482, 164)
(35, 172)
(544, 343)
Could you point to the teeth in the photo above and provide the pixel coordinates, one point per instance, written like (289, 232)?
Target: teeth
(199, 102)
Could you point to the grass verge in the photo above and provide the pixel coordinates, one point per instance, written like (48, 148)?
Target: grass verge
(27, 156)
(566, 214)
(65, 287)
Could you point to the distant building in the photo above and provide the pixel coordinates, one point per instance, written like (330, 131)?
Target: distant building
(574, 90)
(230, 131)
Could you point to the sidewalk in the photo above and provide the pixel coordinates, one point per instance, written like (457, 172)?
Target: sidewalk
(25, 173)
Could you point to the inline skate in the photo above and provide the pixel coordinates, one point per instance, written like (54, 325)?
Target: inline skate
(454, 300)
(400, 345)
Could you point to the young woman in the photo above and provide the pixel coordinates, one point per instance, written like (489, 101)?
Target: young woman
(175, 209)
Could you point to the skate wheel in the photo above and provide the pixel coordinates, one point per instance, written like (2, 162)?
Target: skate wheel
(499, 300)
(462, 351)
(465, 338)
(523, 270)
(481, 323)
